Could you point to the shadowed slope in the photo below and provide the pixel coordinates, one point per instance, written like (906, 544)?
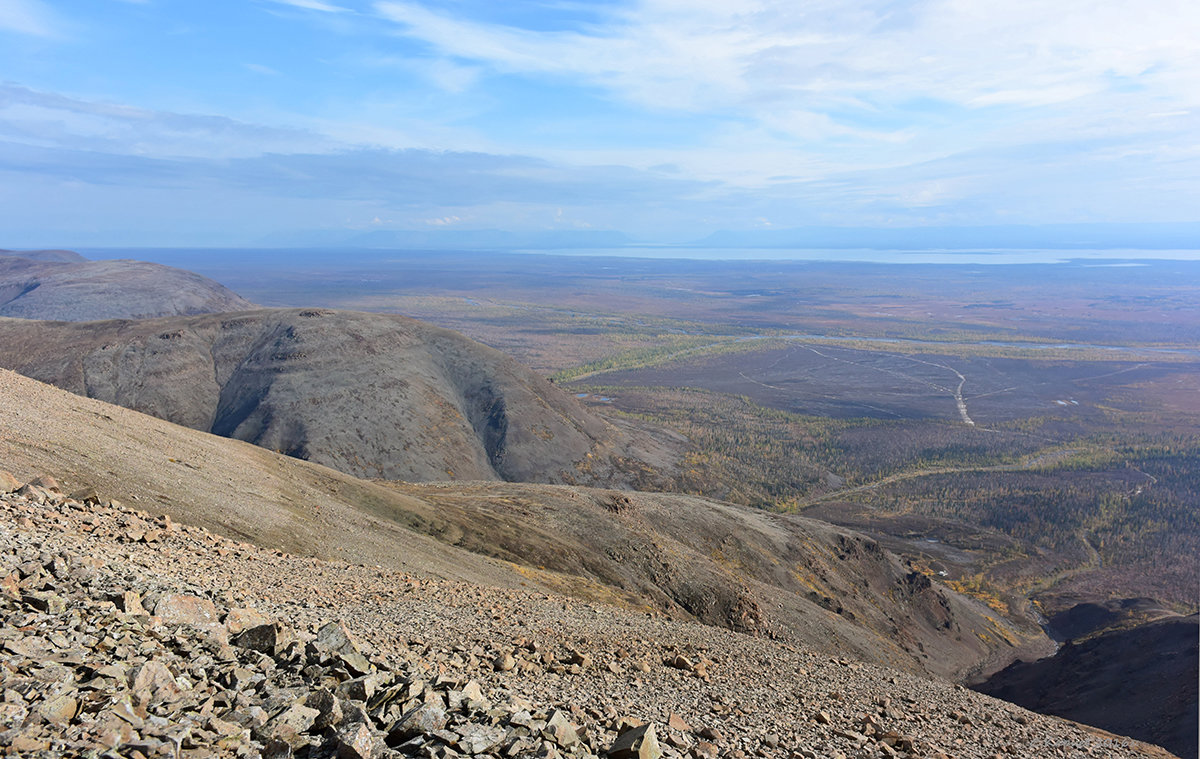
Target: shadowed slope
(1139, 681)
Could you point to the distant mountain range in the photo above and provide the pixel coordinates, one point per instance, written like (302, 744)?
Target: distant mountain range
(453, 239)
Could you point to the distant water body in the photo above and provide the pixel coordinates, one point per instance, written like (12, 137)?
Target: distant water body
(199, 257)
(1115, 257)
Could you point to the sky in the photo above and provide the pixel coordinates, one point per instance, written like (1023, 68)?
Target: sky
(233, 122)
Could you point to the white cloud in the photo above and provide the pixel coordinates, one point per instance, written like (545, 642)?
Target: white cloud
(768, 56)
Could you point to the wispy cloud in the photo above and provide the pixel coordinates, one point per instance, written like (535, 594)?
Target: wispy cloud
(313, 5)
(57, 121)
(258, 68)
(27, 17)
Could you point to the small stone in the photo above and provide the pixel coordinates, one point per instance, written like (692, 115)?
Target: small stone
(504, 662)
(675, 722)
(59, 710)
(822, 718)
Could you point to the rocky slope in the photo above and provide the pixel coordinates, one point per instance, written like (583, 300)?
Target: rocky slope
(374, 395)
(64, 286)
(732, 566)
(131, 634)
(687, 558)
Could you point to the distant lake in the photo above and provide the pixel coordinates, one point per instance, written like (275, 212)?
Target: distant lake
(199, 258)
(1116, 257)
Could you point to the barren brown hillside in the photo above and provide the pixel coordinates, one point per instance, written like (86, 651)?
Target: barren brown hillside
(373, 395)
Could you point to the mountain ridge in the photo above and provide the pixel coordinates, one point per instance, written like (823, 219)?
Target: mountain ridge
(375, 395)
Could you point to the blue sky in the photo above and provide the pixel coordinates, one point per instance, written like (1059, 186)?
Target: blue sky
(176, 122)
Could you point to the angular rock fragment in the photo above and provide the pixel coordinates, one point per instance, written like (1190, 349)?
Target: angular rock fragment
(269, 639)
(638, 743)
(290, 724)
(334, 642)
(420, 720)
(560, 730)
(356, 741)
